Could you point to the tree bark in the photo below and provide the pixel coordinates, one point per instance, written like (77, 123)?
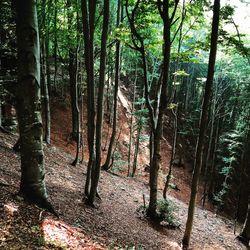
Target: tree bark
(46, 96)
(95, 174)
(88, 16)
(106, 165)
(73, 75)
(203, 123)
(175, 112)
(55, 44)
(32, 184)
(131, 127)
(161, 105)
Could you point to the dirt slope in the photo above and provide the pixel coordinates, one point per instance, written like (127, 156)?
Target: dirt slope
(115, 223)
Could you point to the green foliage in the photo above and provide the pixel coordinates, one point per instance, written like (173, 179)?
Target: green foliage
(119, 164)
(40, 241)
(180, 73)
(140, 113)
(230, 148)
(167, 210)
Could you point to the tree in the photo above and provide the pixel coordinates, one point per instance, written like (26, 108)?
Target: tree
(45, 72)
(32, 184)
(203, 122)
(72, 67)
(95, 174)
(159, 100)
(88, 16)
(106, 165)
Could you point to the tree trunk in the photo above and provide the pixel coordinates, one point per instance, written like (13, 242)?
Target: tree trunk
(73, 75)
(117, 79)
(159, 110)
(137, 145)
(172, 153)
(154, 170)
(77, 113)
(47, 62)
(73, 92)
(55, 44)
(207, 168)
(203, 123)
(95, 174)
(131, 125)
(32, 184)
(88, 16)
(44, 78)
(46, 96)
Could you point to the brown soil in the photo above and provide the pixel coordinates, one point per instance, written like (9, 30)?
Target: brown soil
(117, 223)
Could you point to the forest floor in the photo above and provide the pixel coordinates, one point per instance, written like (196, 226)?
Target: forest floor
(116, 224)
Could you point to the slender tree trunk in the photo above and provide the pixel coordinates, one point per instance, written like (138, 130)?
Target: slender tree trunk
(88, 16)
(77, 110)
(78, 135)
(137, 144)
(82, 118)
(73, 92)
(73, 75)
(46, 96)
(32, 183)
(55, 43)
(95, 174)
(172, 154)
(211, 177)
(203, 123)
(131, 125)
(44, 77)
(117, 79)
(47, 62)
(207, 168)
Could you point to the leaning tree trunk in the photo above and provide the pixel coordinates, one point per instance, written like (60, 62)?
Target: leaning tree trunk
(29, 104)
(203, 123)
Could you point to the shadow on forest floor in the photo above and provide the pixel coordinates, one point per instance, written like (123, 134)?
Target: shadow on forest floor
(116, 223)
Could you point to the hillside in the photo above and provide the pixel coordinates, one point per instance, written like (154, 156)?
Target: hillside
(116, 224)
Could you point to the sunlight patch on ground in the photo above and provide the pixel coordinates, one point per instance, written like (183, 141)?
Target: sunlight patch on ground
(10, 209)
(171, 245)
(57, 233)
